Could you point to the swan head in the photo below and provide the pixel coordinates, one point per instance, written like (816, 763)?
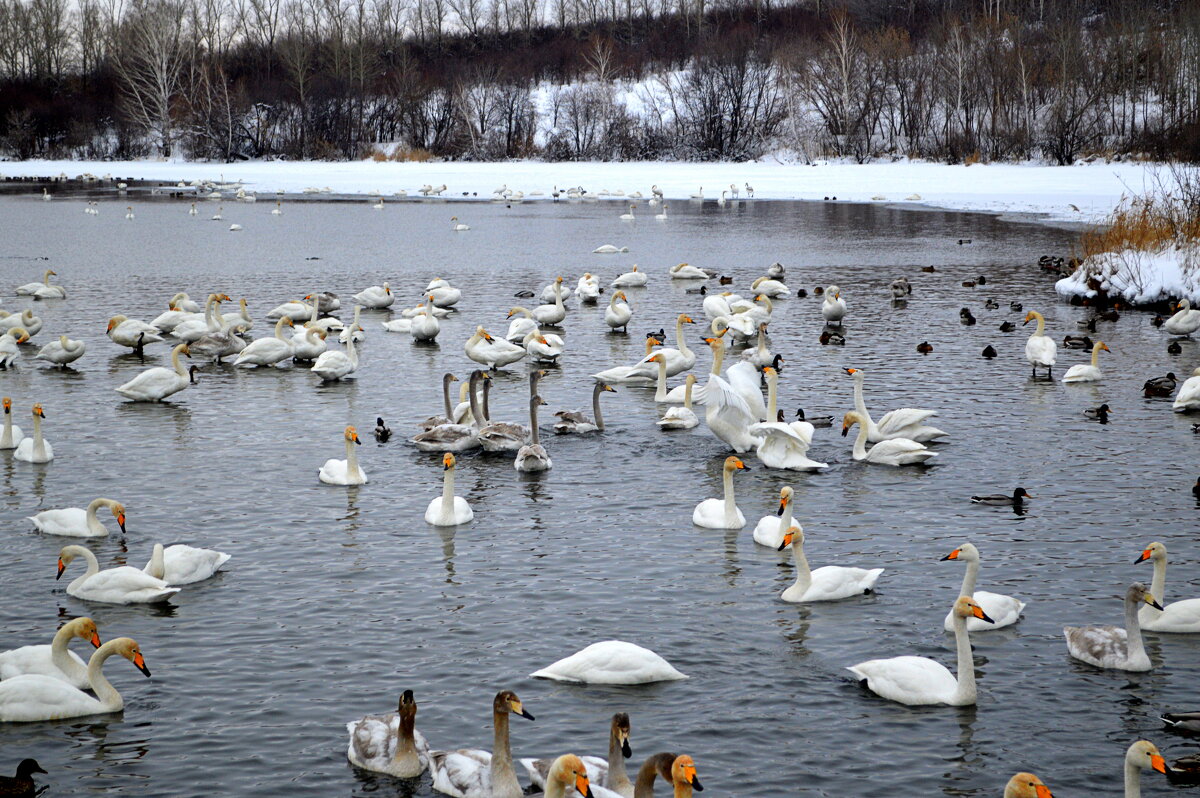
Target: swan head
(857, 374)
(482, 333)
(795, 534)
(683, 771)
(447, 461)
(408, 705)
(832, 290)
(558, 280)
(1026, 785)
(785, 498)
(967, 607)
(770, 373)
(1101, 346)
(128, 648)
(8, 404)
(620, 730)
(118, 511)
(85, 629)
(735, 464)
(66, 556)
(20, 334)
(1137, 592)
(37, 410)
(114, 322)
(569, 771)
(1155, 551)
(1184, 304)
(966, 552)
(1145, 755)
(1030, 316)
(506, 701)
(351, 434)
(850, 419)
(691, 379)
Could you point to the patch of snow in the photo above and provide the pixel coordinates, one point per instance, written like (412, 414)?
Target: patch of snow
(1139, 277)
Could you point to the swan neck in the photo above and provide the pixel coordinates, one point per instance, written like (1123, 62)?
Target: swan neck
(1133, 780)
(1041, 327)
(504, 778)
(660, 393)
(965, 694)
(178, 366)
(104, 691)
(446, 398)
(616, 777)
(730, 504)
(278, 325)
(803, 571)
(476, 414)
(487, 409)
(596, 399)
(860, 442)
(39, 444)
(1096, 356)
(1133, 630)
(860, 405)
(448, 491)
(351, 352)
(351, 458)
(718, 358)
(687, 393)
(158, 565)
(679, 339)
(970, 577)
(1158, 585)
(533, 422)
(772, 398)
(59, 653)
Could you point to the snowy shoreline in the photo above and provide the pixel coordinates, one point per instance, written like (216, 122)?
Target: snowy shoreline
(1084, 193)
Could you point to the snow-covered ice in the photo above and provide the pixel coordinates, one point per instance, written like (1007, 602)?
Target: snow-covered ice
(1139, 277)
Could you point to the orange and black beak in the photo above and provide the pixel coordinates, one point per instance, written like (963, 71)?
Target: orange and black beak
(140, 661)
(96, 639)
(581, 784)
(1042, 791)
(121, 522)
(447, 461)
(1145, 556)
(849, 371)
(1158, 763)
(952, 555)
(693, 779)
(62, 566)
(978, 612)
(787, 541)
(41, 412)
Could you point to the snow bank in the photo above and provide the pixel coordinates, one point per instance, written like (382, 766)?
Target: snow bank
(1141, 278)
(1084, 192)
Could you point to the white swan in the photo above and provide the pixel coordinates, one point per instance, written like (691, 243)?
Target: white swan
(297, 309)
(344, 472)
(610, 772)
(1087, 372)
(771, 529)
(631, 279)
(122, 585)
(640, 373)
(268, 351)
(475, 773)
(457, 226)
(783, 445)
(893, 451)
(132, 333)
(308, 343)
(376, 297)
(336, 365)
(743, 378)
(1112, 646)
(183, 565)
(587, 289)
(62, 351)
(448, 509)
(919, 680)
(1141, 755)
(722, 513)
(682, 358)
(174, 316)
(1003, 610)
(905, 422)
(446, 296)
(1178, 616)
(554, 290)
(79, 522)
(521, 326)
(12, 434)
(618, 316)
(34, 697)
(1188, 397)
(1185, 321)
(681, 417)
(686, 271)
(239, 319)
(760, 355)
(192, 328)
(9, 351)
(1040, 350)
(452, 436)
(389, 743)
(628, 217)
(609, 249)
(833, 309)
(31, 289)
(533, 457)
(662, 217)
(156, 384)
(770, 287)
(355, 330)
(611, 662)
(828, 583)
(36, 449)
(425, 327)
(486, 350)
(54, 660)
(726, 412)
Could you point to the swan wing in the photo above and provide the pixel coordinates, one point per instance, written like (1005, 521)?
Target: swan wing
(124, 585)
(1178, 616)
(1003, 610)
(721, 397)
(464, 774)
(902, 417)
(34, 697)
(184, 565)
(908, 680)
(69, 521)
(39, 660)
(1041, 350)
(896, 446)
(833, 582)
(1102, 646)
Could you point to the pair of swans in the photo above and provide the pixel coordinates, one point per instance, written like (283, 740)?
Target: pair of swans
(377, 297)
(55, 660)
(344, 472)
(1003, 610)
(1040, 349)
(156, 384)
(448, 509)
(336, 365)
(122, 585)
(722, 513)
(678, 360)
(37, 697)
(609, 773)
(35, 449)
(905, 422)
(1113, 646)
(891, 452)
(62, 352)
(587, 289)
(1178, 616)
(422, 325)
(784, 445)
(1087, 372)
(268, 351)
(79, 522)
(43, 290)
(455, 432)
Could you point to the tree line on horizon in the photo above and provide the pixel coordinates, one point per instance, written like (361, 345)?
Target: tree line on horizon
(951, 80)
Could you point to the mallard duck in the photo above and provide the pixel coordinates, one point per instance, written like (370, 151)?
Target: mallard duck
(991, 304)
(1098, 413)
(1089, 325)
(1160, 386)
(1017, 306)
(816, 421)
(1017, 498)
(928, 269)
(382, 431)
(1182, 721)
(836, 339)
(1077, 342)
(1007, 326)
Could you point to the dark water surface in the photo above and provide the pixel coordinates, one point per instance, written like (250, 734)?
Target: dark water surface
(337, 599)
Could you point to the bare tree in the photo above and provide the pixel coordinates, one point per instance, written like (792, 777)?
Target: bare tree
(149, 63)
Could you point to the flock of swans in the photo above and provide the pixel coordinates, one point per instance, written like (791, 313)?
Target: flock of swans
(41, 682)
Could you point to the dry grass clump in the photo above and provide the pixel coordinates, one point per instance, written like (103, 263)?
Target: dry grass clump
(411, 154)
(1166, 215)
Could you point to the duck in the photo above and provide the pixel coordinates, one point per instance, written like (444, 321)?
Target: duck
(686, 271)
(31, 289)
(344, 472)
(12, 434)
(1040, 349)
(1007, 326)
(1026, 785)
(967, 317)
(901, 288)
(79, 522)
(532, 457)
(156, 384)
(1015, 306)
(9, 351)
(828, 338)
(1188, 397)
(924, 347)
(631, 279)
(816, 421)
(722, 513)
(989, 352)
(268, 351)
(1098, 413)
(618, 315)
(834, 308)
(1113, 646)
(905, 422)
(34, 697)
(389, 743)
(1003, 610)
(22, 783)
(1174, 348)
(918, 681)
(336, 365)
(382, 431)
(1077, 342)
(611, 662)
(183, 565)
(576, 421)
(54, 660)
(122, 585)
(783, 445)
(1087, 324)
(474, 773)
(609, 773)
(828, 583)
(990, 303)
(36, 449)
(1160, 386)
(893, 451)
(1017, 499)
(1188, 722)
(1185, 321)
(486, 350)
(1181, 617)
(62, 352)
(1087, 372)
